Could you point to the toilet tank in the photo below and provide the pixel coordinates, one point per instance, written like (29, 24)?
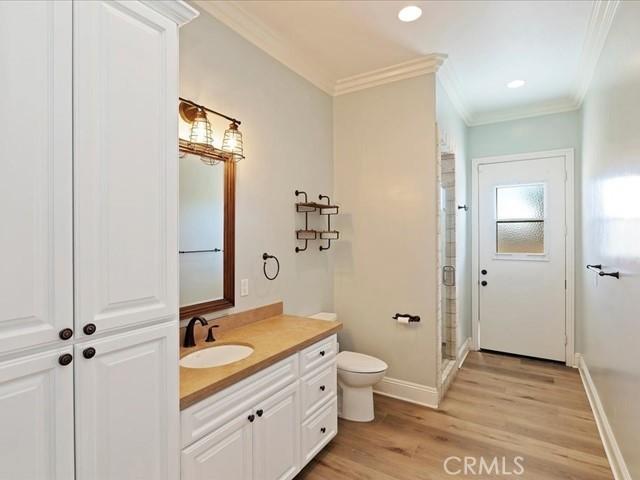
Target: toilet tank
(325, 316)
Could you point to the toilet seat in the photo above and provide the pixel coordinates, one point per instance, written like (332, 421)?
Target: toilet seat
(359, 363)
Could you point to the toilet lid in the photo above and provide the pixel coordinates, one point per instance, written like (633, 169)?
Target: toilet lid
(360, 363)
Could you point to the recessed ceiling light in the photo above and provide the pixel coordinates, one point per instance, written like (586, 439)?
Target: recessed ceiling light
(410, 13)
(516, 84)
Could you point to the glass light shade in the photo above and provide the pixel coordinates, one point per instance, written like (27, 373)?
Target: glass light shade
(232, 142)
(201, 132)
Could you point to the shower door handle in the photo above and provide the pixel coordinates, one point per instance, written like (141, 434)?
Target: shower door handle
(449, 271)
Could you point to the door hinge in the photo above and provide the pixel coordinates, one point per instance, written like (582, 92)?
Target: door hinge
(565, 284)
(565, 341)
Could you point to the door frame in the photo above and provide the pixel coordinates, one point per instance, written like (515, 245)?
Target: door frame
(568, 154)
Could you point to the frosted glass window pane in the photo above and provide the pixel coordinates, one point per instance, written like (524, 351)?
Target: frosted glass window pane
(520, 237)
(522, 202)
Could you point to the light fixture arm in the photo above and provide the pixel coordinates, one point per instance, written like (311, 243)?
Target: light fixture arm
(190, 102)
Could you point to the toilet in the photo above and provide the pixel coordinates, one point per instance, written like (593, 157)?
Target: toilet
(357, 374)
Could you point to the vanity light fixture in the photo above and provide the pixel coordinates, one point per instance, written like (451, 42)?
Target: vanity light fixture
(200, 140)
(201, 133)
(410, 13)
(232, 142)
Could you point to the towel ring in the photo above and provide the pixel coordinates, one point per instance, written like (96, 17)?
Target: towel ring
(265, 257)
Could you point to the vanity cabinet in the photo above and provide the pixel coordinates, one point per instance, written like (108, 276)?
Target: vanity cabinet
(226, 453)
(260, 443)
(267, 426)
(88, 179)
(276, 436)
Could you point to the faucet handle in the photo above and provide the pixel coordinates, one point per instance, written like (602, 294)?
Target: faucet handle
(210, 333)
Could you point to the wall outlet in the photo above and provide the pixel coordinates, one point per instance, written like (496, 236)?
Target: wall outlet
(244, 287)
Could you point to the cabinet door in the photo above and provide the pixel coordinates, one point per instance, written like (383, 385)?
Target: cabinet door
(36, 296)
(125, 158)
(127, 411)
(225, 454)
(36, 418)
(276, 454)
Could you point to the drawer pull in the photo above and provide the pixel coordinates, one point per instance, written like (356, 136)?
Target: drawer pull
(322, 353)
(322, 388)
(323, 430)
(260, 412)
(251, 418)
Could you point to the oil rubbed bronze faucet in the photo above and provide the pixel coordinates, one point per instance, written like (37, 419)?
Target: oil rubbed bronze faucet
(189, 337)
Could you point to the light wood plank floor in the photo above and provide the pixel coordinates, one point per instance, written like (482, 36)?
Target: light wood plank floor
(498, 405)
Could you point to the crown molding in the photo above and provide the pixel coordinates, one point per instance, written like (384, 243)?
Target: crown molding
(528, 111)
(451, 85)
(602, 15)
(234, 16)
(180, 12)
(400, 71)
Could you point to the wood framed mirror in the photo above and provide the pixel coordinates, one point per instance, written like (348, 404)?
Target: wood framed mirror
(206, 236)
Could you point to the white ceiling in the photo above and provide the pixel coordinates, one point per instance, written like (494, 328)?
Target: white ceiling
(553, 45)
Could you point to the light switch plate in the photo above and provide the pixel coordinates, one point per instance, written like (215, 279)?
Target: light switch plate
(244, 287)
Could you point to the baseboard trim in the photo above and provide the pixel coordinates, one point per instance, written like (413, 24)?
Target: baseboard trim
(463, 351)
(614, 455)
(408, 391)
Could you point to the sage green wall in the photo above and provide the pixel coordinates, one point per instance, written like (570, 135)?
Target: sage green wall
(547, 132)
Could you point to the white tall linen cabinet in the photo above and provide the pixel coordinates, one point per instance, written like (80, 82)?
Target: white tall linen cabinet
(88, 242)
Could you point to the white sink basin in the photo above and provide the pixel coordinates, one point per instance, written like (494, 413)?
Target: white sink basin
(216, 356)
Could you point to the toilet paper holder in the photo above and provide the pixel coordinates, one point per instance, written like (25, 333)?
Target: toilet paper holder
(412, 318)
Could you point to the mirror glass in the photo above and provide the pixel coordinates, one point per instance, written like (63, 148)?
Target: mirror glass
(201, 234)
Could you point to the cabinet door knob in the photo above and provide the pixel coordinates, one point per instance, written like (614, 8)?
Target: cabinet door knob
(65, 334)
(65, 359)
(89, 329)
(322, 388)
(89, 352)
(323, 430)
(251, 418)
(260, 412)
(322, 352)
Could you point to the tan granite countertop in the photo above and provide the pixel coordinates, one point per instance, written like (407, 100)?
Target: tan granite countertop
(272, 340)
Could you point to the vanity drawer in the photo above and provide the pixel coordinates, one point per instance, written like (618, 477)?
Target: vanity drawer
(319, 430)
(318, 354)
(220, 408)
(317, 388)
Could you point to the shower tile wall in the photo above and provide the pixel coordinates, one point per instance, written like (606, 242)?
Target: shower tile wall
(448, 182)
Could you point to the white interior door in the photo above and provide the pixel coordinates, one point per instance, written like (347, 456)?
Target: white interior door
(522, 248)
